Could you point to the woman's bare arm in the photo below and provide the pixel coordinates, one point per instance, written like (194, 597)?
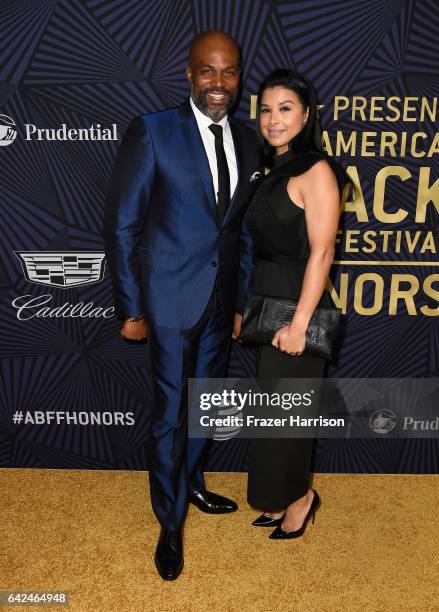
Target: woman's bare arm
(317, 191)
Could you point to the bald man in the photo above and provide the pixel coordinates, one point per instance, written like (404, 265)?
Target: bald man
(179, 265)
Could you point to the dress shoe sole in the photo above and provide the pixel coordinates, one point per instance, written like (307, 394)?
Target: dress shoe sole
(218, 511)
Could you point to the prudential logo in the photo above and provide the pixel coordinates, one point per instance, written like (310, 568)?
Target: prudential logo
(63, 132)
(8, 131)
(382, 421)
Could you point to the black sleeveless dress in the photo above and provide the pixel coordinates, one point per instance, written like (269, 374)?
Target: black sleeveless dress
(279, 469)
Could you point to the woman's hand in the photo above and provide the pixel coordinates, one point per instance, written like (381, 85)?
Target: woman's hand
(237, 326)
(290, 339)
(134, 330)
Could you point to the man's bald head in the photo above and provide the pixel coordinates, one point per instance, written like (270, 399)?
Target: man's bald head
(207, 39)
(213, 73)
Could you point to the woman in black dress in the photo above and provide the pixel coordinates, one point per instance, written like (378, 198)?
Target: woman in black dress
(293, 220)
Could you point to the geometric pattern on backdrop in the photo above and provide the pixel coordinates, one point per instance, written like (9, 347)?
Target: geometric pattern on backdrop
(99, 63)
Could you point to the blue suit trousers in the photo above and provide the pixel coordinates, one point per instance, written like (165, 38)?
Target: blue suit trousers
(176, 462)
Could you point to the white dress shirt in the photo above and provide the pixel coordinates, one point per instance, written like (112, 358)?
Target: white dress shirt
(203, 122)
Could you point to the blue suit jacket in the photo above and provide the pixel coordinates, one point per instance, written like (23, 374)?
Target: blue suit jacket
(163, 240)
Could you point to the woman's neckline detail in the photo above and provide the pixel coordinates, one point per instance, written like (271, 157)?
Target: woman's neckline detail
(279, 159)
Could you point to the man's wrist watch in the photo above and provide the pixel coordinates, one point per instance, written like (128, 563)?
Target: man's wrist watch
(134, 319)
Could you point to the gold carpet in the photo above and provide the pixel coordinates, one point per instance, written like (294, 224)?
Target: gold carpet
(374, 546)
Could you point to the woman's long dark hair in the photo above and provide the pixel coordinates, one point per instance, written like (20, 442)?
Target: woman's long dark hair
(310, 137)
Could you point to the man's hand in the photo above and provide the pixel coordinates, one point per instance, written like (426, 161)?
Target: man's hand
(237, 326)
(134, 330)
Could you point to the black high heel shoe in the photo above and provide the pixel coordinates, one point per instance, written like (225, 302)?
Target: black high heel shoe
(280, 534)
(267, 521)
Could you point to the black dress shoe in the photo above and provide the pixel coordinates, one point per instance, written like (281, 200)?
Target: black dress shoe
(280, 534)
(267, 521)
(211, 503)
(169, 554)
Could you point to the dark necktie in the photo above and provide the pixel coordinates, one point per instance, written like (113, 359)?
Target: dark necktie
(223, 171)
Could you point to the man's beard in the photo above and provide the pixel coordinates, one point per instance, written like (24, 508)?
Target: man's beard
(200, 102)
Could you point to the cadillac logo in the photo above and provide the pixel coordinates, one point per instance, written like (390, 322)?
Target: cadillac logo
(67, 269)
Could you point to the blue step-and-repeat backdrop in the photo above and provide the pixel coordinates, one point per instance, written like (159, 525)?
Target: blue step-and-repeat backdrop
(73, 73)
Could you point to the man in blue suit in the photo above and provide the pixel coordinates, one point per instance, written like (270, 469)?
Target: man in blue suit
(180, 263)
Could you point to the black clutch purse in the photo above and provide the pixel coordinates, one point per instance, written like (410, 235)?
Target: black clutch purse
(265, 315)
